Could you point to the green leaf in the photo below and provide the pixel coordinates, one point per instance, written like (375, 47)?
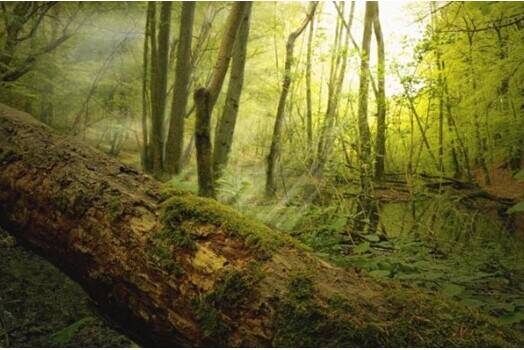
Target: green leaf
(451, 289)
(472, 302)
(380, 273)
(513, 318)
(432, 275)
(507, 307)
(339, 224)
(517, 208)
(362, 248)
(372, 238)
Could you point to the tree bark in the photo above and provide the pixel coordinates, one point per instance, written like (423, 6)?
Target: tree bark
(175, 137)
(159, 69)
(309, 103)
(367, 208)
(274, 151)
(203, 143)
(207, 97)
(180, 270)
(337, 76)
(226, 124)
(224, 53)
(153, 77)
(146, 107)
(380, 145)
(481, 147)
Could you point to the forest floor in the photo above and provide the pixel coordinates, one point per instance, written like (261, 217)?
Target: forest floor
(42, 307)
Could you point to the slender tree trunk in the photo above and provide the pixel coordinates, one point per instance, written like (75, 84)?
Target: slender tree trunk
(332, 100)
(146, 163)
(367, 210)
(411, 142)
(226, 124)
(224, 53)
(203, 143)
(452, 127)
(480, 156)
(175, 138)
(380, 145)
(309, 104)
(155, 137)
(164, 28)
(205, 99)
(274, 151)
(440, 87)
(338, 73)
(363, 127)
(425, 140)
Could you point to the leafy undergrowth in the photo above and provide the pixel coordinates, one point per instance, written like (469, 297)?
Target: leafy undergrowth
(41, 307)
(480, 272)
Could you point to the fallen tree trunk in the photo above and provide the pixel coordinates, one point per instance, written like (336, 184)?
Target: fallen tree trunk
(179, 270)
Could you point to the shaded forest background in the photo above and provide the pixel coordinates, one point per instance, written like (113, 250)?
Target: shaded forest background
(395, 152)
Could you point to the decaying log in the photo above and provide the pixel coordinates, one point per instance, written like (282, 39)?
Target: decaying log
(178, 270)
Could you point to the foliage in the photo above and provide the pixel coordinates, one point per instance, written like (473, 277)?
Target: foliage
(480, 272)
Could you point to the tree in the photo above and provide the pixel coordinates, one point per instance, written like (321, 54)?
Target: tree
(309, 104)
(159, 70)
(380, 143)
(367, 211)
(226, 124)
(336, 81)
(146, 107)
(205, 99)
(481, 147)
(274, 151)
(21, 22)
(175, 137)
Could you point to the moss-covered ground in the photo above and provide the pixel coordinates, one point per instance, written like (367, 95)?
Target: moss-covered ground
(42, 307)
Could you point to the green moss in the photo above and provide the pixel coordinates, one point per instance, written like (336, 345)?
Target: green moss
(115, 207)
(232, 289)
(406, 319)
(301, 322)
(8, 155)
(177, 187)
(66, 335)
(161, 251)
(210, 320)
(306, 324)
(61, 202)
(301, 287)
(72, 202)
(177, 236)
(187, 207)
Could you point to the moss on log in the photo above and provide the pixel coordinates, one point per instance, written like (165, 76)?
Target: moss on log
(179, 270)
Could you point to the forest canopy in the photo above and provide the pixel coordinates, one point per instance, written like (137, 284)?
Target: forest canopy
(384, 137)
